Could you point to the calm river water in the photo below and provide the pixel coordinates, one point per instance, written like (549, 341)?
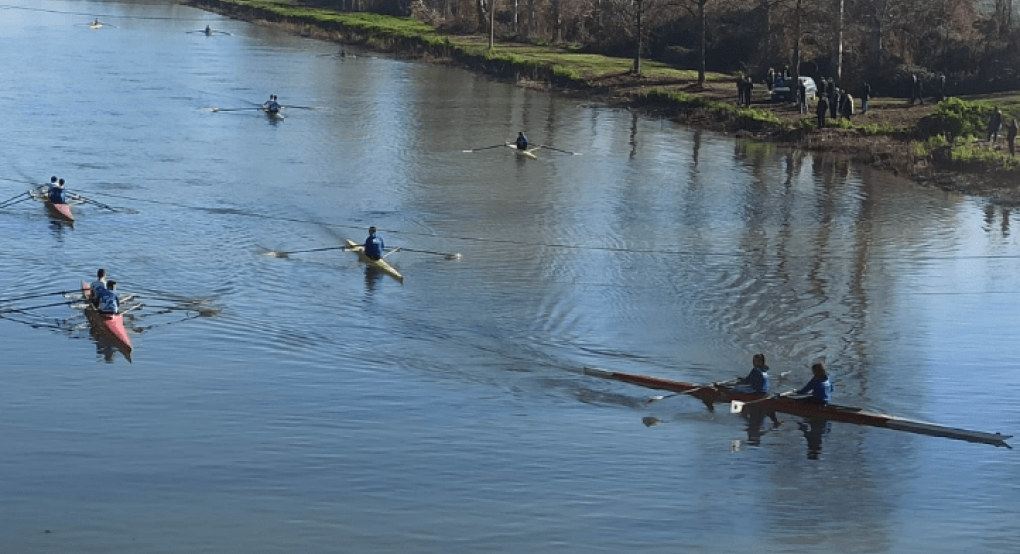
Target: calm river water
(315, 406)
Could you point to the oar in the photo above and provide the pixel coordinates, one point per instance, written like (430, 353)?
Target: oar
(696, 389)
(448, 256)
(26, 297)
(15, 310)
(559, 150)
(736, 406)
(17, 199)
(215, 109)
(300, 107)
(100, 204)
(486, 148)
(278, 254)
(394, 251)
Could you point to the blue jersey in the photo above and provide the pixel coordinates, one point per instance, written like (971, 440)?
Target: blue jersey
(756, 381)
(56, 195)
(522, 142)
(108, 301)
(374, 246)
(820, 389)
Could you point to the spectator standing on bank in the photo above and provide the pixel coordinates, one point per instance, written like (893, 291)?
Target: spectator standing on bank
(865, 97)
(1011, 136)
(821, 110)
(770, 79)
(919, 85)
(848, 105)
(994, 123)
(942, 86)
(833, 99)
(802, 96)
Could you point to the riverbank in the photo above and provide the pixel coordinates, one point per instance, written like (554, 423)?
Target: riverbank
(932, 144)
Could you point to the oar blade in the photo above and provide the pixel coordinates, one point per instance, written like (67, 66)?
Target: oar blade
(736, 407)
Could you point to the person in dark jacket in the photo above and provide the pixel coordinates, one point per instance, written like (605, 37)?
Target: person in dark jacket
(821, 110)
(833, 99)
(374, 245)
(994, 124)
(1011, 136)
(802, 97)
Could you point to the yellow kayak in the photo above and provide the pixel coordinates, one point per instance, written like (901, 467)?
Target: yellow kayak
(381, 265)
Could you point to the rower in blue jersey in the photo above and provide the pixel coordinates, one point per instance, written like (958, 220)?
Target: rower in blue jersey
(758, 379)
(98, 285)
(374, 245)
(56, 192)
(522, 141)
(109, 302)
(271, 105)
(819, 387)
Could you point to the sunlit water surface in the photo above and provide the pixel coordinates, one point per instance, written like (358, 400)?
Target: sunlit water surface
(317, 406)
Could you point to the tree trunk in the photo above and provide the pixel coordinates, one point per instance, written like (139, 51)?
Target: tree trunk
(492, 23)
(797, 16)
(838, 57)
(701, 42)
(480, 6)
(637, 51)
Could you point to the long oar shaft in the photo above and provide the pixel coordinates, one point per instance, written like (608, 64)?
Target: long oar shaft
(18, 310)
(29, 296)
(486, 147)
(449, 255)
(314, 250)
(15, 199)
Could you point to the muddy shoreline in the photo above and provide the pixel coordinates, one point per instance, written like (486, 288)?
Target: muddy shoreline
(892, 153)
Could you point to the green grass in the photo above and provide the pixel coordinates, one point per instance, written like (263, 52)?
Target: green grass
(968, 151)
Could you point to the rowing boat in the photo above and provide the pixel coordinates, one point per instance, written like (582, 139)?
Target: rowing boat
(110, 325)
(273, 110)
(380, 264)
(716, 393)
(529, 153)
(60, 211)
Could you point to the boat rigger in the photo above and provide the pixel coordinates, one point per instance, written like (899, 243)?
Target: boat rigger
(714, 393)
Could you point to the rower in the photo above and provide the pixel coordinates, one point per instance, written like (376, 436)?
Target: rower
(522, 141)
(374, 245)
(108, 299)
(757, 380)
(819, 387)
(56, 193)
(98, 285)
(271, 106)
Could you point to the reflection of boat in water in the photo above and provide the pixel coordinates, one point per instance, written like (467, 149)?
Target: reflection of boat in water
(380, 264)
(718, 393)
(110, 326)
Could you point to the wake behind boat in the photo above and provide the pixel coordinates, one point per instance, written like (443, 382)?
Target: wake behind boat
(714, 393)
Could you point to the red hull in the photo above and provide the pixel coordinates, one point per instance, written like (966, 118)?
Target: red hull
(111, 325)
(60, 211)
(712, 394)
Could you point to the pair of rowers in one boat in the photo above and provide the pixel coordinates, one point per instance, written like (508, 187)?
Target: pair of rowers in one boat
(811, 401)
(103, 310)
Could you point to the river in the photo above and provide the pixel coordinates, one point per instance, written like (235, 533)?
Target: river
(309, 404)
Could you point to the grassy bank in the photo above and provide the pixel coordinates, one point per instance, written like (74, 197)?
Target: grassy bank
(920, 137)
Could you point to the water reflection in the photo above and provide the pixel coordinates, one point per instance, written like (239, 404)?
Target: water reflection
(814, 429)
